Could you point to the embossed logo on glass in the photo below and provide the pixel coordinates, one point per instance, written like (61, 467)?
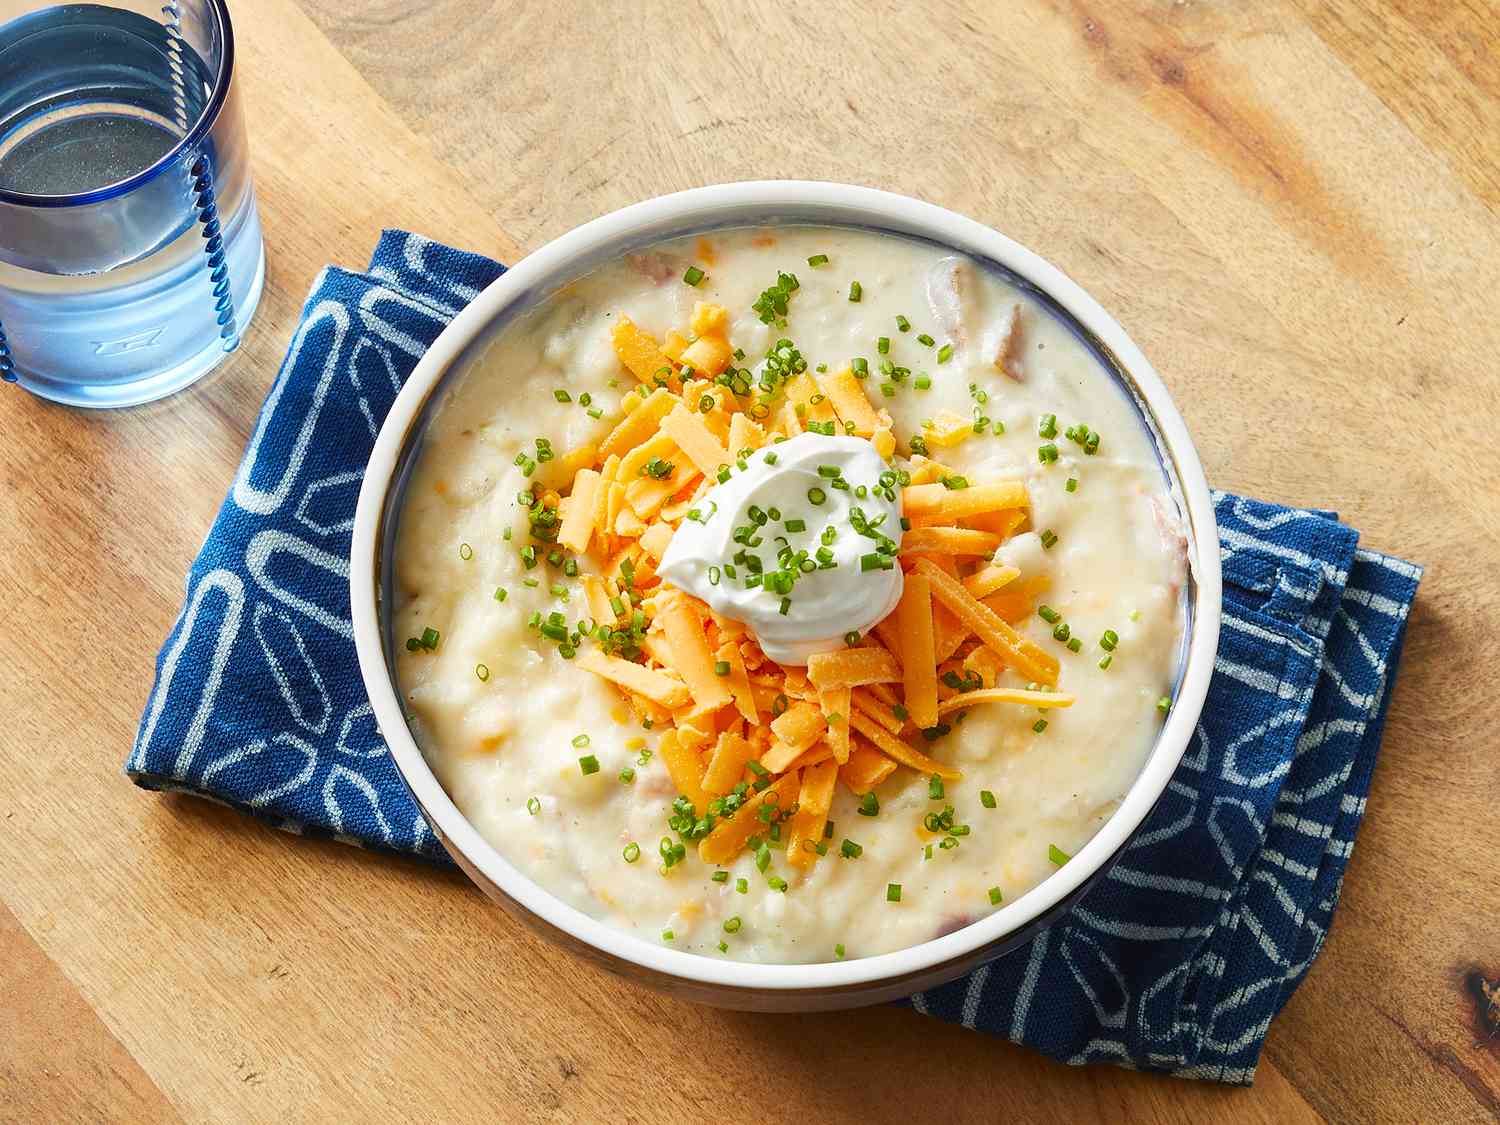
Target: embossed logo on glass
(134, 343)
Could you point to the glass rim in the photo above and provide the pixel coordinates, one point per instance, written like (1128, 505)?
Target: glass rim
(200, 127)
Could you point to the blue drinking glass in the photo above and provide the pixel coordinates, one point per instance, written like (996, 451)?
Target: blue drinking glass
(130, 250)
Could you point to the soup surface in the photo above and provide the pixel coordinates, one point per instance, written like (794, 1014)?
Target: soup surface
(887, 425)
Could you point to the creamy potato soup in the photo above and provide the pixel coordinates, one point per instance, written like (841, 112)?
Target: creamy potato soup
(787, 594)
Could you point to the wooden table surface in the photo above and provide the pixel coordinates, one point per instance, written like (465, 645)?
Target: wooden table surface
(1291, 205)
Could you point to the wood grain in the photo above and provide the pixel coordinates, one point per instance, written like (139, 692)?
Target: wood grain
(1292, 206)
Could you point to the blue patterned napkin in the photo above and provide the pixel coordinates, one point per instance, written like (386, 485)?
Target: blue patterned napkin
(1177, 961)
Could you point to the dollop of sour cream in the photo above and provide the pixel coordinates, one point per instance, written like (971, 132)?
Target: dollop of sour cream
(800, 545)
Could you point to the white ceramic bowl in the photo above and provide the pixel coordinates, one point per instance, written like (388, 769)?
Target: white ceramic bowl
(730, 983)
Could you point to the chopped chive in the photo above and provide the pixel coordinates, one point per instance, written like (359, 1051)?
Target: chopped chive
(816, 496)
(1105, 661)
(1061, 632)
(1047, 453)
(925, 340)
(796, 525)
(995, 896)
(627, 776)
(1047, 427)
(533, 806)
(666, 935)
(856, 291)
(838, 950)
(720, 876)
(1071, 485)
(693, 275)
(1049, 537)
(1057, 855)
(869, 805)
(1109, 640)
(1039, 726)
(850, 850)
(732, 925)
(742, 886)
(483, 672)
(860, 366)
(945, 353)
(632, 852)
(893, 892)
(935, 788)
(776, 883)
(923, 382)
(562, 395)
(501, 593)
(588, 764)
(1048, 614)
(1164, 704)
(721, 667)
(580, 740)
(883, 345)
(986, 798)
(1075, 645)
(903, 324)
(818, 260)
(851, 638)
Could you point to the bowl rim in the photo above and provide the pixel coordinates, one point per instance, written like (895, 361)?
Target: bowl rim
(889, 211)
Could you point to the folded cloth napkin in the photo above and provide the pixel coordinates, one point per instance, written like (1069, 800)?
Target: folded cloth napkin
(1177, 961)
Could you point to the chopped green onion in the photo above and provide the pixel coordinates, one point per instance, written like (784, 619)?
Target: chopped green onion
(721, 668)
(693, 275)
(1047, 427)
(1109, 640)
(945, 353)
(742, 886)
(1164, 704)
(856, 291)
(562, 395)
(838, 950)
(935, 788)
(850, 850)
(588, 764)
(923, 382)
(1039, 726)
(869, 805)
(666, 935)
(1049, 537)
(1047, 454)
(627, 775)
(986, 798)
(1075, 645)
(1048, 614)
(818, 260)
(1057, 855)
(483, 672)
(1105, 661)
(995, 896)
(720, 876)
(903, 324)
(501, 593)
(1071, 485)
(632, 852)
(893, 892)
(851, 638)
(732, 925)
(796, 525)
(925, 340)
(816, 496)
(533, 806)
(883, 345)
